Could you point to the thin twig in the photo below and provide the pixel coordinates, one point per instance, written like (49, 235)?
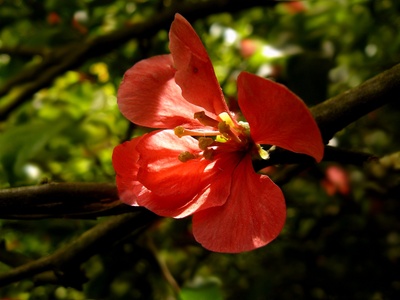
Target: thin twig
(163, 267)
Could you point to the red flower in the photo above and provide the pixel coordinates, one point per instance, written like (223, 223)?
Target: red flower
(199, 161)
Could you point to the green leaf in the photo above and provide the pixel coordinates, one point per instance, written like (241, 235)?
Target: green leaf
(20, 144)
(202, 289)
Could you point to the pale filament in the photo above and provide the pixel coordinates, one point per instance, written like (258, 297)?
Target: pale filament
(180, 131)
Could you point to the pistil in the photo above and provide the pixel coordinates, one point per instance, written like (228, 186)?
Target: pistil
(227, 132)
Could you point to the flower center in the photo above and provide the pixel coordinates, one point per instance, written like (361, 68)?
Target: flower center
(214, 134)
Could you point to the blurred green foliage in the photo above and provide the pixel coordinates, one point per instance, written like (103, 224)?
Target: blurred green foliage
(337, 243)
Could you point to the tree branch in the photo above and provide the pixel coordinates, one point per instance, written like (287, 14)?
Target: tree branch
(339, 155)
(93, 200)
(336, 113)
(72, 200)
(65, 261)
(22, 51)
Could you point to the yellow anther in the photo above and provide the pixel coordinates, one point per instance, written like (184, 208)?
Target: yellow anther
(226, 118)
(186, 156)
(221, 139)
(205, 120)
(205, 142)
(245, 128)
(264, 154)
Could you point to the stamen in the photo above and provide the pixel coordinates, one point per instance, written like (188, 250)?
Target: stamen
(205, 120)
(186, 156)
(180, 131)
(264, 154)
(205, 142)
(245, 128)
(208, 154)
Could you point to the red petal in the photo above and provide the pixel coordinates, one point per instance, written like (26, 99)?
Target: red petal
(124, 160)
(176, 188)
(278, 117)
(252, 216)
(148, 95)
(195, 74)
